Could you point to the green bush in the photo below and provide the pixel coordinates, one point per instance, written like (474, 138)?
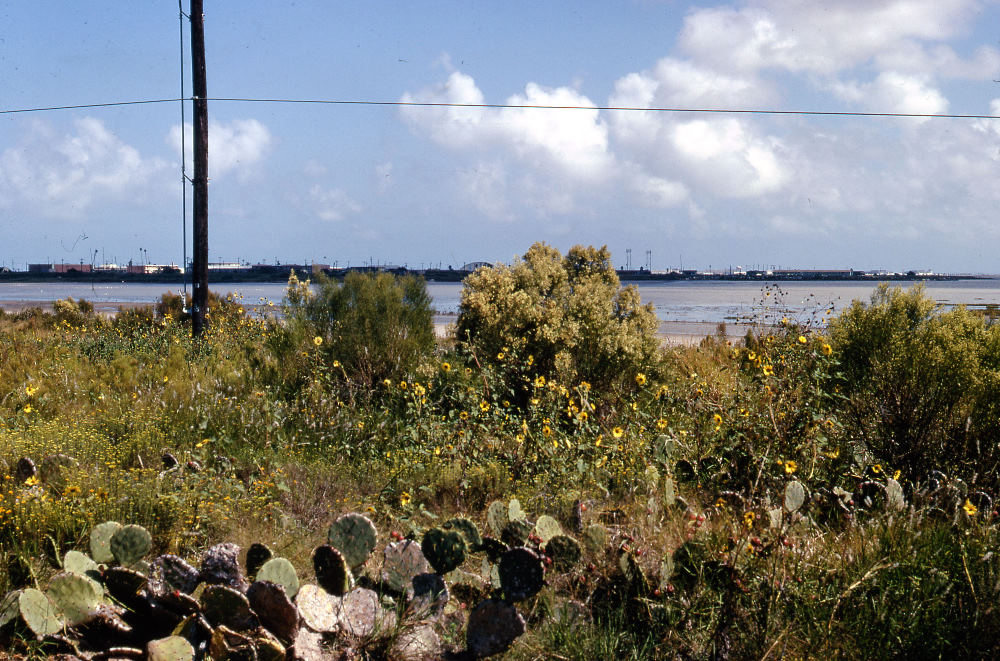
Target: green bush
(375, 326)
(915, 380)
(564, 317)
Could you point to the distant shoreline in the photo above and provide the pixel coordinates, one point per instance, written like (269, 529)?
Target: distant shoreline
(279, 275)
(670, 332)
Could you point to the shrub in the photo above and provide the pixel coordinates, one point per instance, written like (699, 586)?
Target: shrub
(913, 378)
(566, 317)
(377, 326)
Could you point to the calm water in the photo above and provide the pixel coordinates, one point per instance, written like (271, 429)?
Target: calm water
(710, 302)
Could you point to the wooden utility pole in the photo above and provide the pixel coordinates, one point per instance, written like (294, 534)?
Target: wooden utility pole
(199, 280)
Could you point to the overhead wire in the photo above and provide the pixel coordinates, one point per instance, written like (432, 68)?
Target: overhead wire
(517, 106)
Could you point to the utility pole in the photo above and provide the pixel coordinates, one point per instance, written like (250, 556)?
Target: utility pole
(199, 277)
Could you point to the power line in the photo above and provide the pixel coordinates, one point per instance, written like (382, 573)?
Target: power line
(519, 106)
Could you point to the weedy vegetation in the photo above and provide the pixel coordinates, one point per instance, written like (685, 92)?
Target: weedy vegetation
(547, 482)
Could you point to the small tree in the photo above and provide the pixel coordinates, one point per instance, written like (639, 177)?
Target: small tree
(377, 326)
(566, 317)
(915, 381)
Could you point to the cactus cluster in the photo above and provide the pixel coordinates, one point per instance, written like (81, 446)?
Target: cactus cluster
(116, 601)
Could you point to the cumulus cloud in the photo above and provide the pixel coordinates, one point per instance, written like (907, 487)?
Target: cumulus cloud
(821, 38)
(65, 175)
(894, 92)
(237, 146)
(332, 204)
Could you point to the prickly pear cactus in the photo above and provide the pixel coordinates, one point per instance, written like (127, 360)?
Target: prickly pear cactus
(444, 550)
(221, 566)
(362, 615)
(355, 537)
(595, 539)
(428, 594)
(280, 571)
(25, 469)
(130, 544)
(522, 573)
(419, 642)
(331, 570)
(669, 492)
(403, 561)
(100, 541)
(76, 597)
(547, 527)
(79, 563)
(795, 496)
(516, 533)
(633, 572)
(272, 605)
(224, 606)
(493, 627)
(9, 608)
(172, 648)
(564, 551)
(169, 573)
(319, 609)
(467, 529)
(493, 548)
(514, 511)
(38, 613)
(257, 555)
(496, 517)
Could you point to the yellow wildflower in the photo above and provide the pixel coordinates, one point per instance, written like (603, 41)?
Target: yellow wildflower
(445, 367)
(969, 508)
(640, 379)
(484, 406)
(404, 499)
(661, 424)
(540, 381)
(826, 349)
(791, 467)
(317, 340)
(617, 432)
(802, 339)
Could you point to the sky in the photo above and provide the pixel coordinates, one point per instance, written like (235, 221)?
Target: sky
(420, 186)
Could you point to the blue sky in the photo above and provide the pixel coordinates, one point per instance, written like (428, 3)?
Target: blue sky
(348, 184)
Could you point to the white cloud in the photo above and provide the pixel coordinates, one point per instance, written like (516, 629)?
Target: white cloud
(820, 37)
(64, 175)
(894, 92)
(238, 145)
(332, 204)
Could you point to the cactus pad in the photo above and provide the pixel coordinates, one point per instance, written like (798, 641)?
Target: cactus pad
(76, 597)
(25, 469)
(79, 563)
(355, 537)
(52, 469)
(130, 544)
(331, 569)
(795, 495)
(276, 611)
(419, 642)
(257, 555)
(403, 561)
(361, 614)
(516, 533)
(514, 511)
(428, 594)
(221, 566)
(100, 541)
(224, 606)
(494, 548)
(444, 550)
(493, 626)
(522, 573)
(123, 583)
(468, 530)
(280, 571)
(172, 648)
(595, 539)
(170, 572)
(496, 516)
(564, 551)
(547, 527)
(9, 608)
(38, 613)
(320, 611)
